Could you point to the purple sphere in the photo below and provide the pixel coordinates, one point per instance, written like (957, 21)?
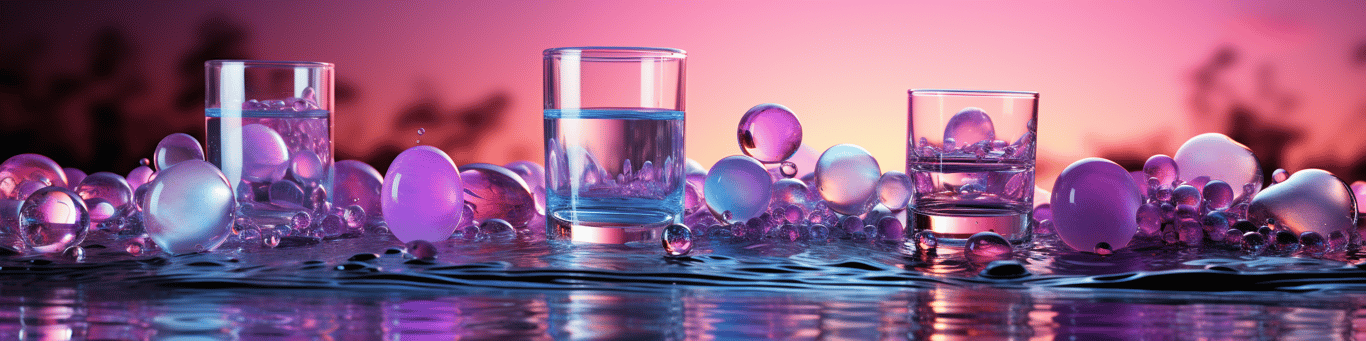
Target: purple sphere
(1217, 195)
(357, 183)
(422, 197)
(175, 148)
(29, 167)
(108, 187)
(847, 177)
(139, 176)
(497, 192)
(770, 133)
(737, 184)
(1095, 201)
(1163, 168)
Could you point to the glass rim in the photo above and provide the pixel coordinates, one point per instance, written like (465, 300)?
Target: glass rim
(617, 52)
(268, 63)
(983, 93)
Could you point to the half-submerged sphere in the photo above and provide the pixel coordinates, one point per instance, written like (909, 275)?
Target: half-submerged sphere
(847, 177)
(175, 148)
(770, 133)
(357, 183)
(52, 219)
(29, 167)
(189, 208)
(969, 126)
(987, 246)
(1309, 200)
(1220, 158)
(740, 185)
(497, 192)
(1095, 201)
(422, 197)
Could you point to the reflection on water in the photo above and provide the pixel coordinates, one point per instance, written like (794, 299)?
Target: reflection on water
(365, 289)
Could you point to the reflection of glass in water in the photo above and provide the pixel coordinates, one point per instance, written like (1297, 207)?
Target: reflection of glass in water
(614, 175)
(261, 148)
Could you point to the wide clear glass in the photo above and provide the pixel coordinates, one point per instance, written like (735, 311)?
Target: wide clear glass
(970, 155)
(269, 128)
(613, 142)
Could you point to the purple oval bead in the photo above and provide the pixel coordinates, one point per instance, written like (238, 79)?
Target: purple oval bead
(769, 133)
(423, 197)
(1094, 201)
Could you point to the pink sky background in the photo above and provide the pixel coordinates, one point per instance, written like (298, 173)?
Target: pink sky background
(1112, 75)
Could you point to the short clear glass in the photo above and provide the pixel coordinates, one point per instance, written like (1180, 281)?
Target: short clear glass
(269, 128)
(613, 142)
(970, 155)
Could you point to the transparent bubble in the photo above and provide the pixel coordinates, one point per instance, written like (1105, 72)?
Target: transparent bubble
(1313, 242)
(1149, 219)
(332, 225)
(52, 219)
(791, 192)
(534, 176)
(300, 221)
(354, 216)
(692, 199)
(270, 238)
(1162, 168)
(1215, 222)
(890, 229)
(423, 196)
(1218, 157)
(1094, 201)
(175, 148)
(1253, 242)
(1186, 195)
(421, 131)
(1279, 175)
(189, 208)
(140, 176)
(497, 229)
(738, 185)
(1309, 200)
(1359, 191)
(926, 240)
(73, 178)
(306, 167)
(497, 192)
(74, 253)
(265, 156)
(1284, 240)
(851, 224)
(29, 167)
(1233, 236)
(969, 126)
(846, 178)
(793, 214)
(1187, 212)
(1218, 195)
(894, 190)
(421, 249)
(677, 240)
(1045, 228)
(988, 246)
(1190, 232)
(109, 187)
(769, 133)
(356, 183)
(1337, 240)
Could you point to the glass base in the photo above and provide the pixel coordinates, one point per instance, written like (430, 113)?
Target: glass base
(957, 228)
(607, 227)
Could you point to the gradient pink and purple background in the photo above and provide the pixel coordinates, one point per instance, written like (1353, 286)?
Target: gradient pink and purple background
(1117, 79)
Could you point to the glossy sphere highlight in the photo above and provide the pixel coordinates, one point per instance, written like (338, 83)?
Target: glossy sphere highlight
(497, 192)
(109, 187)
(969, 126)
(29, 167)
(677, 240)
(988, 246)
(189, 208)
(53, 219)
(738, 184)
(1220, 158)
(423, 197)
(894, 190)
(264, 153)
(175, 148)
(534, 175)
(1309, 200)
(769, 133)
(1095, 201)
(847, 177)
(357, 183)
(1163, 168)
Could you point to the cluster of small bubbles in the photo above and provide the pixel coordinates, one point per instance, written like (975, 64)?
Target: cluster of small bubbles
(769, 133)
(421, 249)
(52, 219)
(987, 246)
(677, 240)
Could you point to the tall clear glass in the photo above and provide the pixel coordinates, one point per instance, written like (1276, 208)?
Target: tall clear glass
(613, 142)
(269, 128)
(970, 155)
